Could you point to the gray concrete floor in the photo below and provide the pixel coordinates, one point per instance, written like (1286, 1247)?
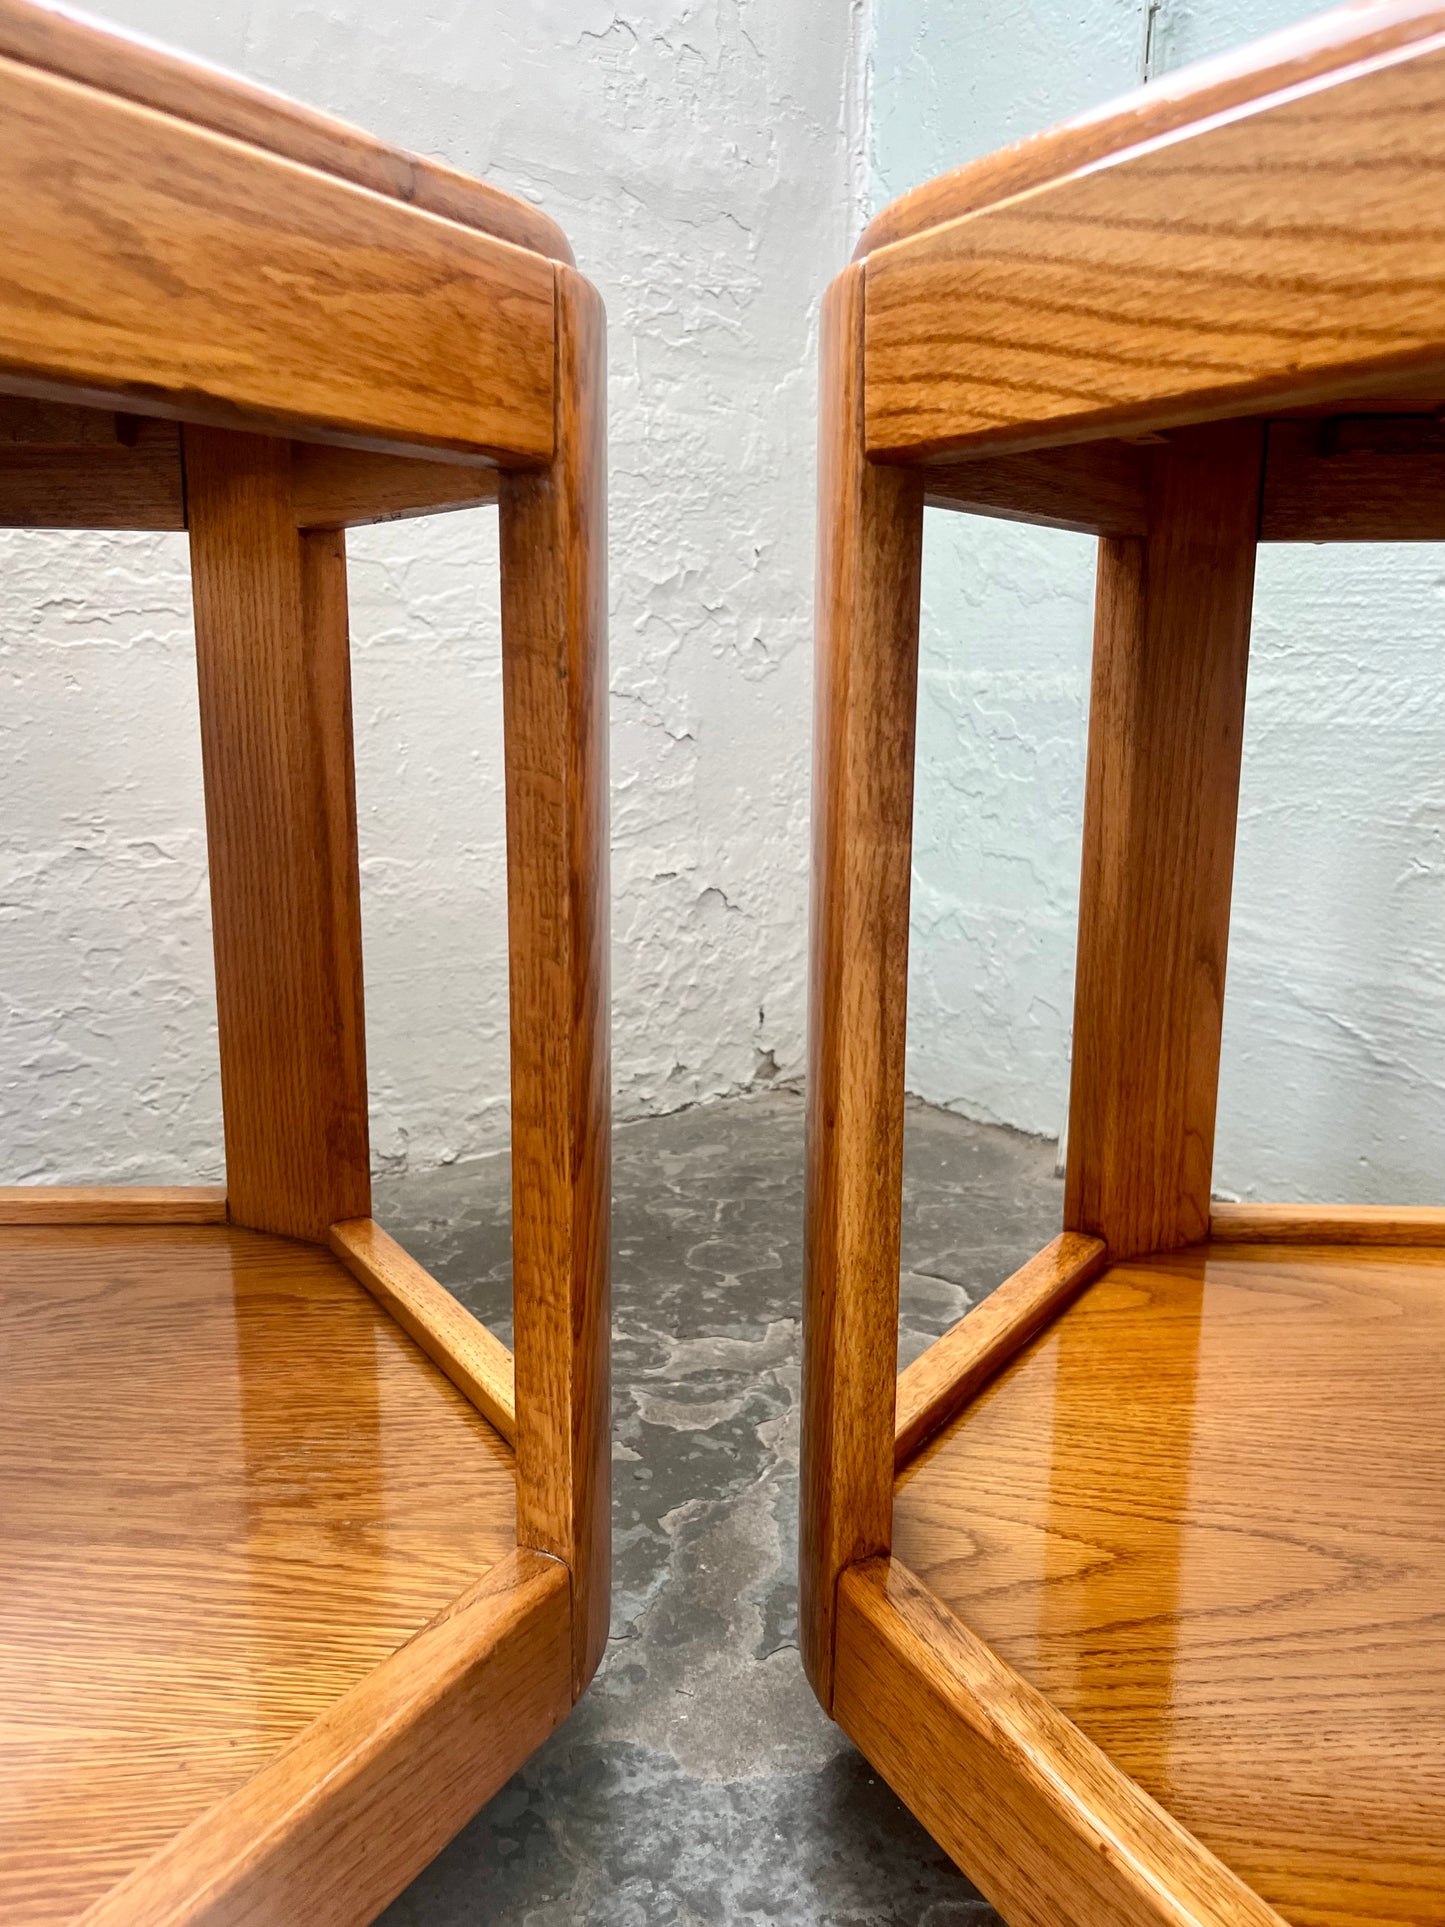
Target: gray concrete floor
(698, 1782)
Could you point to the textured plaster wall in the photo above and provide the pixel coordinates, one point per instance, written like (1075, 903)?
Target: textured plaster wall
(704, 158)
(707, 158)
(1334, 1037)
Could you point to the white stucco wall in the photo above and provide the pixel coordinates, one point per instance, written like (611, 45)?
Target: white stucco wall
(703, 156)
(707, 158)
(1334, 1035)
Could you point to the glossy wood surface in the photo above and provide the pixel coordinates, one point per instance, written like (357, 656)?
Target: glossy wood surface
(102, 56)
(553, 532)
(1204, 1516)
(957, 1365)
(267, 1635)
(1287, 252)
(870, 539)
(1166, 730)
(1174, 1652)
(274, 679)
(1044, 1823)
(112, 1204)
(476, 1362)
(1170, 101)
(229, 1488)
(1328, 1224)
(155, 265)
(360, 1801)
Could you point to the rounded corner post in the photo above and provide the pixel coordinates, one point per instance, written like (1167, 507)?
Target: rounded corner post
(870, 535)
(554, 684)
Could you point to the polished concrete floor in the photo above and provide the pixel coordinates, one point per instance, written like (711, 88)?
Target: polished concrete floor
(698, 1783)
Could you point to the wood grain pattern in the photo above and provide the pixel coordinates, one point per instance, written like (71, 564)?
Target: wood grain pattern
(112, 1204)
(554, 687)
(1327, 1224)
(1287, 251)
(266, 1636)
(870, 533)
(230, 1487)
(337, 1825)
(1203, 1515)
(1098, 488)
(1373, 477)
(1170, 101)
(154, 265)
(956, 1367)
(1350, 478)
(272, 653)
(345, 488)
(93, 484)
(53, 424)
(1166, 724)
(1356, 479)
(476, 1362)
(103, 57)
(1035, 1814)
(138, 482)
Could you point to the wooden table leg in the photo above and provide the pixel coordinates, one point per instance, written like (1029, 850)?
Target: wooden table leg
(1166, 724)
(554, 668)
(275, 696)
(869, 559)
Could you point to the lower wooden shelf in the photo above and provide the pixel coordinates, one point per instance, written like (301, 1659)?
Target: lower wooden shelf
(1201, 1517)
(260, 1577)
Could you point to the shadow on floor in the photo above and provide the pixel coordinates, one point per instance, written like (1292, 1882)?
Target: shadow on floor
(698, 1784)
